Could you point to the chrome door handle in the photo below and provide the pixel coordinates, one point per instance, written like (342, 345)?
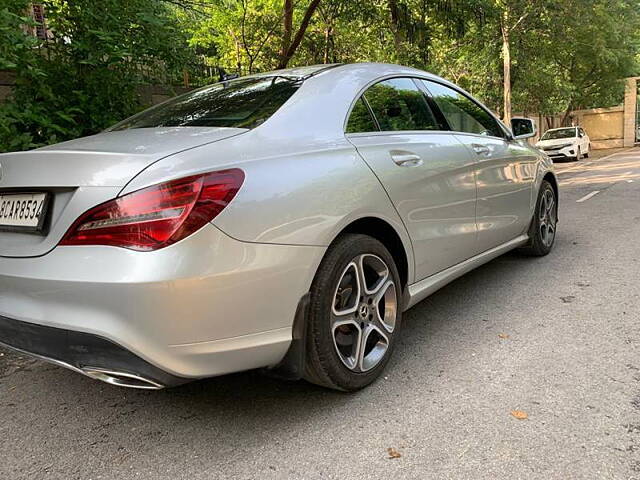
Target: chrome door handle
(406, 159)
(481, 149)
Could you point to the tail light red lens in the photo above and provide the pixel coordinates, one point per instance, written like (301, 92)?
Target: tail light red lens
(157, 216)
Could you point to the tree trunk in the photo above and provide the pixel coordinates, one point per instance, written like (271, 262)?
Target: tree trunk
(506, 63)
(327, 43)
(395, 28)
(565, 118)
(287, 30)
(238, 59)
(293, 46)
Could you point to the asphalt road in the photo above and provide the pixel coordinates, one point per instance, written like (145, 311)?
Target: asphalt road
(557, 338)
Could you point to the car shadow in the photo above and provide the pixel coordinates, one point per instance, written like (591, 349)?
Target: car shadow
(245, 405)
(247, 387)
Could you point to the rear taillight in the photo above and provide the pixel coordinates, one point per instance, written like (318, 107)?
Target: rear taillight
(157, 216)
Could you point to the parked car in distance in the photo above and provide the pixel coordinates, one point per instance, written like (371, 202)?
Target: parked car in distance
(283, 220)
(565, 143)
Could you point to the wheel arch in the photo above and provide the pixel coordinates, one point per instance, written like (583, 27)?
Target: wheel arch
(385, 233)
(551, 178)
(293, 364)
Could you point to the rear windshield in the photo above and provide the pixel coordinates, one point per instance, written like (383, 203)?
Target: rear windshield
(243, 103)
(555, 134)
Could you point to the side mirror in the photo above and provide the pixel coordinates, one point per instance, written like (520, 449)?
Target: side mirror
(523, 128)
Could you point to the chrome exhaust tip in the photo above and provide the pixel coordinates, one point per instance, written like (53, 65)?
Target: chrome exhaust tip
(121, 379)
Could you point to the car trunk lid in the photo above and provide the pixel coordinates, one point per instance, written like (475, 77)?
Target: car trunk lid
(82, 173)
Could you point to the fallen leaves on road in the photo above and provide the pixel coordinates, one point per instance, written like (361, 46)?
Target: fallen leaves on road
(504, 336)
(393, 453)
(519, 414)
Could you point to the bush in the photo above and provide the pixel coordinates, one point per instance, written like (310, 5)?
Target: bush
(85, 77)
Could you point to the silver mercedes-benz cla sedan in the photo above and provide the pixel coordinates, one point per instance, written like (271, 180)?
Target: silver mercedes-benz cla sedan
(282, 221)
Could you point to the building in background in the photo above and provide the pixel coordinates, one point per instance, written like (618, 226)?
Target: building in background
(40, 30)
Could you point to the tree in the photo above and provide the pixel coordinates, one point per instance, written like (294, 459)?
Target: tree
(512, 15)
(546, 56)
(85, 77)
(289, 46)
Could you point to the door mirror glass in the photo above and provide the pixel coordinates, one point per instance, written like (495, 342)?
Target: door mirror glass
(523, 128)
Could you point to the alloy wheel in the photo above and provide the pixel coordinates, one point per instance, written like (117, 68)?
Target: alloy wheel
(363, 313)
(548, 217)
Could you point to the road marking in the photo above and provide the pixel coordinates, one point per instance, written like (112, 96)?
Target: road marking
(582, 165)
(587, 197)
(595, 160)
(629, 181)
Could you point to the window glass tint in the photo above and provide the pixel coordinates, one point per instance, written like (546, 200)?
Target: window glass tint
(244, 103)
(360, 119)
(462, 113)
(399, 105)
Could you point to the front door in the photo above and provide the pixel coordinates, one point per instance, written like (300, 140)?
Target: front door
(505, 169)
(505, 175)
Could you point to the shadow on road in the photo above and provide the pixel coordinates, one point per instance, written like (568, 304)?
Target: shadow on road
(251, 399)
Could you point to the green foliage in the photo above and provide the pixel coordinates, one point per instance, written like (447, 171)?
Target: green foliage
(85, 77)
(565, 54)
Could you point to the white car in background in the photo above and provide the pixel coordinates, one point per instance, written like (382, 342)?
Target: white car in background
(565, 143)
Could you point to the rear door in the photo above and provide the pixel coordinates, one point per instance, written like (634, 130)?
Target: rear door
(428, 174)
(505, 168)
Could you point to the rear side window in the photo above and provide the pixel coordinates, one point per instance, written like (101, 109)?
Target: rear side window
(244, 103)
(360, 119)
(398, 104)
(462, 113)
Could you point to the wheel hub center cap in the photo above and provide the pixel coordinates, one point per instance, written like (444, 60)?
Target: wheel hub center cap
(363, 311)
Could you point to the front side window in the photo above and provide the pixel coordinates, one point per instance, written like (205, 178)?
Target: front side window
(243, 103)
(462, 113)
(398, 105)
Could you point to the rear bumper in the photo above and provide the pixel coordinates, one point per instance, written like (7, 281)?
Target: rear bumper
(208, 305)
(85, 353)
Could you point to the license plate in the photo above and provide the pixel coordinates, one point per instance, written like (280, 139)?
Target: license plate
(22, 211)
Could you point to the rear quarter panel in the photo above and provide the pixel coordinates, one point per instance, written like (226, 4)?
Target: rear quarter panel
(302, 191)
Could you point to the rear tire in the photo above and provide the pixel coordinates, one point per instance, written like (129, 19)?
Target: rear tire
(355, 314)
(542, 232)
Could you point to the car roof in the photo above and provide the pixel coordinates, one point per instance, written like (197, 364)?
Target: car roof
(296, 72)
(345, 69)
(320, 107)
